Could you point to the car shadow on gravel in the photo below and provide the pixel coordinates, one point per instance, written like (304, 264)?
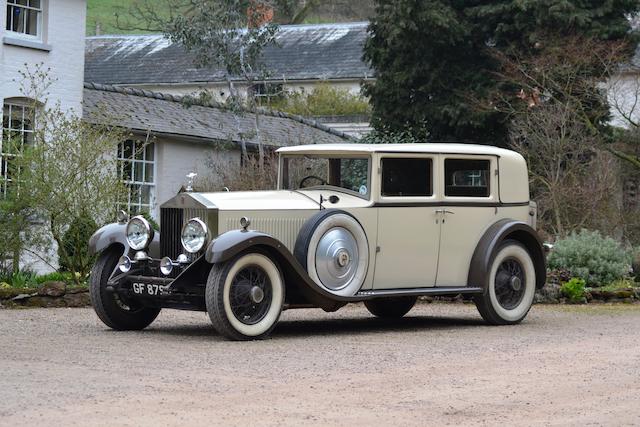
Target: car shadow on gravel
(296, 328)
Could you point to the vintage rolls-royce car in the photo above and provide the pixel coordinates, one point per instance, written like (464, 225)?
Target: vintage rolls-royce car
(379, 224)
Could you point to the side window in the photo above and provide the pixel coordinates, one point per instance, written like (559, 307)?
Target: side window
(467, 178)
(406, 177)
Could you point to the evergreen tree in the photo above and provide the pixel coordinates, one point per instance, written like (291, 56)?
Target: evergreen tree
(437, 62)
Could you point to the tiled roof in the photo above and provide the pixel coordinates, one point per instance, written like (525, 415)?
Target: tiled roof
(185, 118)
(301, 52)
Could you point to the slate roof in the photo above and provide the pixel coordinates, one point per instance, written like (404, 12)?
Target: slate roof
(302, 52)
(171, 115)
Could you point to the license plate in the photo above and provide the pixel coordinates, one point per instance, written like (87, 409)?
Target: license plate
(146, 289)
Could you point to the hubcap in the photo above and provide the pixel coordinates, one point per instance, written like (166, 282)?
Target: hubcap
(336, 258)
(509, 283)
(250, 295)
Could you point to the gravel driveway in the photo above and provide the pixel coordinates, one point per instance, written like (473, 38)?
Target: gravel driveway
(439, 366)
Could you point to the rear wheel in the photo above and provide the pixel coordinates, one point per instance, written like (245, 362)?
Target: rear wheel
(390, 308)
(114, 311)
(245, 296)
(511, 286)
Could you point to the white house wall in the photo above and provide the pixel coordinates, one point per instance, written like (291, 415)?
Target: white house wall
(175, 159)
(64, 33)
(61, 50)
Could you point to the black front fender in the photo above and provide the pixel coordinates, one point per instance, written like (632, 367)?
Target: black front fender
(115, 234)
(487, 248)
(232, 243)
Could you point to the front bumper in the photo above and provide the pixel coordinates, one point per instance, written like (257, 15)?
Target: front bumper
(145, 284)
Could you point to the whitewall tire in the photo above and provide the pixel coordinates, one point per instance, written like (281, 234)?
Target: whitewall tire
(245, 296)
(510, 287)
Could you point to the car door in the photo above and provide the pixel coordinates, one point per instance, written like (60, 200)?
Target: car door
(408, 225)
(469, 205)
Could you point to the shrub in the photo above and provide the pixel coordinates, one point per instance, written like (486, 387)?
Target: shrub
(55, 277)
(573, 289)
(588, 255)
(75, 256)
(324, 100)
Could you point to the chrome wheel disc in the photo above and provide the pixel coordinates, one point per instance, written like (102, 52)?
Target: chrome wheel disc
(337, 258)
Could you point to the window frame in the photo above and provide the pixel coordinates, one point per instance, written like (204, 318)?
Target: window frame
(39, 36)
(493, 182)
(129, 203)
(281, 172)
(5, 156)
(435, 178)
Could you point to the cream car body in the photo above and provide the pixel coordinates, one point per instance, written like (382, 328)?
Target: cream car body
(384, 224)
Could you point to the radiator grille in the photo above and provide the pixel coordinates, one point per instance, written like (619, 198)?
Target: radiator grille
(171, 222)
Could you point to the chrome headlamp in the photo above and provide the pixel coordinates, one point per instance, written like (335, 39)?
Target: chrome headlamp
(139, 233)
(194, 236)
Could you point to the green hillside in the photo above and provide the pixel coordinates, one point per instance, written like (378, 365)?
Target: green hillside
(103, 12)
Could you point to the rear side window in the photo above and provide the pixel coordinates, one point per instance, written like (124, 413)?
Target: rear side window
(466, 178)
(406, 177)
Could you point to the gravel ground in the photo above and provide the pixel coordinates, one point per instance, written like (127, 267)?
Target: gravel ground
(565, 365)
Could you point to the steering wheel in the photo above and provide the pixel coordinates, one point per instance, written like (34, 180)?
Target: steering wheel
(306, 178)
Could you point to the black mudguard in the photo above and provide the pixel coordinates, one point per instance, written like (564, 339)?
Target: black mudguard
(487, 248)
(115, 234)
(232, 243)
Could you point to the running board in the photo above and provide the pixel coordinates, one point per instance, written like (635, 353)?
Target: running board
(418, 292)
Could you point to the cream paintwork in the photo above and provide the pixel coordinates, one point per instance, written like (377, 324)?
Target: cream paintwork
(419, 246)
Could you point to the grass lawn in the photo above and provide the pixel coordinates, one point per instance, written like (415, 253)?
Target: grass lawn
(103, 11)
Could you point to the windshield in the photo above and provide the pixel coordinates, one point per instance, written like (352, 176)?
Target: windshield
(316, 171)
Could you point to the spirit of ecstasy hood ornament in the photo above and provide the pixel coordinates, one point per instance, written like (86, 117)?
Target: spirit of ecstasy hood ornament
(190, 176)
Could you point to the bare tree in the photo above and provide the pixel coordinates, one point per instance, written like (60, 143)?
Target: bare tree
(573, 180)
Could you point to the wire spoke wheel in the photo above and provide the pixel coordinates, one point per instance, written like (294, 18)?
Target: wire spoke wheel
(510, 283)
(250, 295)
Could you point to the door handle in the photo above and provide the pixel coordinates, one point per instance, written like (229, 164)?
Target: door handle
(444, 211)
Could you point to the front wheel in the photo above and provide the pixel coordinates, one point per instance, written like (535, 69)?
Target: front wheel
(245, 296)
(114, 311)
(390, 308)
(511, 286)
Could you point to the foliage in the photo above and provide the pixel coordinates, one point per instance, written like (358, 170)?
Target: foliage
(618, 285)
(416, 135)
(452, 81)
(249, 175)
(573, 181)
(73, 254)
(574, 289)
(323, 100)
(588, 255)
(70, 168)
(28, 279)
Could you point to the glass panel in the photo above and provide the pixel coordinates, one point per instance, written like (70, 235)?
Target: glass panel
(9, 12)
(466, 178)
(139, 150)
(406, 177)
(34, 3)
(138, 169)
(145, 196)
(148, 173)
(149, 152)
(128, 150)
(126, 171)
(31, 22)
(28, 138)
(21, 2)
(6, 112)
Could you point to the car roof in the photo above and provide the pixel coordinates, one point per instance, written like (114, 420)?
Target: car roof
(437, 148)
